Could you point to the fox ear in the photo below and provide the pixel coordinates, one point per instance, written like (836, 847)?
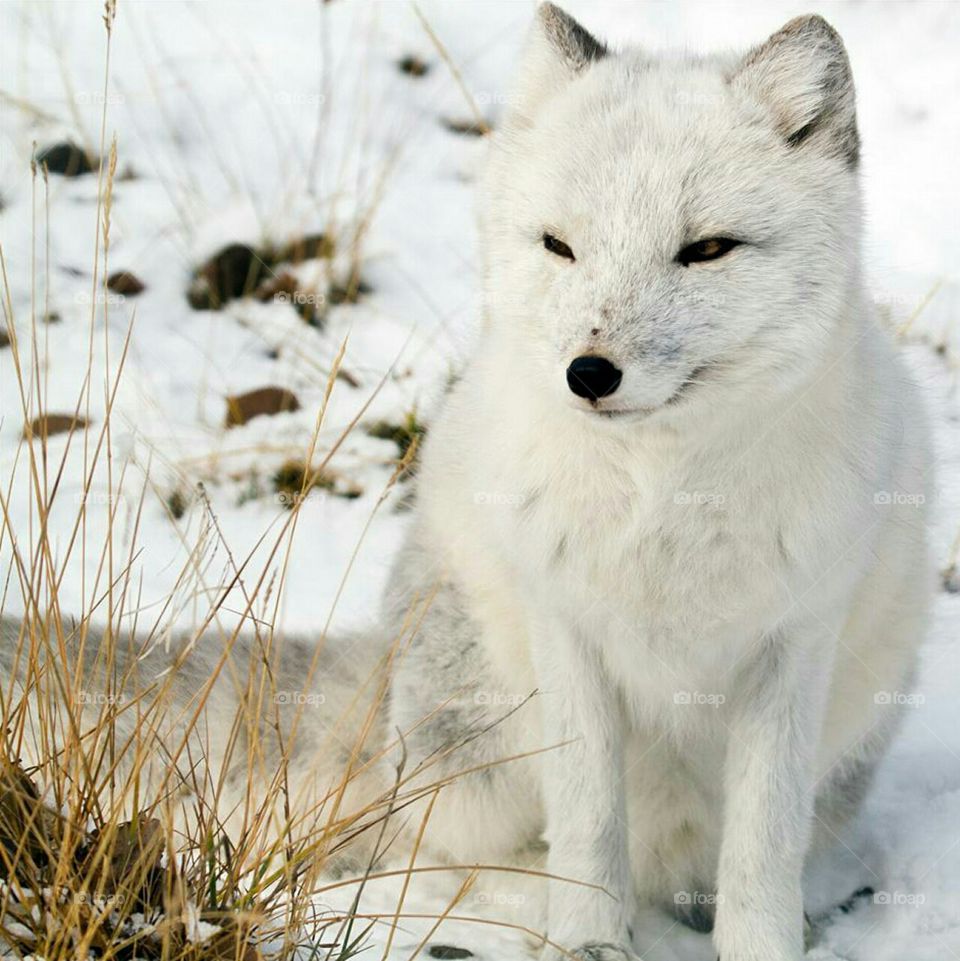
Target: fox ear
(557, 49)
(802, 76)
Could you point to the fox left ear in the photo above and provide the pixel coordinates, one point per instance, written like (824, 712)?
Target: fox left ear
(557, 50)
(802, 76)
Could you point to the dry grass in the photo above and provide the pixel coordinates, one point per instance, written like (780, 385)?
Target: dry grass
(98, 856)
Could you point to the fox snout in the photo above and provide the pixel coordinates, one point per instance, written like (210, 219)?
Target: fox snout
(593, 377)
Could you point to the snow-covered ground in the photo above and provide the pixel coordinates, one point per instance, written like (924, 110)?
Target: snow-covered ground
(247, 122)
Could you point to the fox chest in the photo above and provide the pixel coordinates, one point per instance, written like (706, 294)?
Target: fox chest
(675, 565)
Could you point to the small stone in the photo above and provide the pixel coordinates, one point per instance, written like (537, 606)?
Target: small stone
(413, 66)
(123, 282)
(177, 503)
(66, 159)
(446, 952)
(264, 401)
(46, 425)
(234, 271)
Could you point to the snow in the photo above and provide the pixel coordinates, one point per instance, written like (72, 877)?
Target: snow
(245, 122)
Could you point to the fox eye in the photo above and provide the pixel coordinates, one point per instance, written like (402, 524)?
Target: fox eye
(710, 249)
(557, 246)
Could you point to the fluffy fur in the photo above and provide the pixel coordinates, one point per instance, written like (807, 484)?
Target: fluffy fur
(714, 578)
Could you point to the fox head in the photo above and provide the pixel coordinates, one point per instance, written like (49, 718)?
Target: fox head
(669, 234)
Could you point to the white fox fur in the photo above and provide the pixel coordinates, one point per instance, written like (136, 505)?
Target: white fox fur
(714, 578)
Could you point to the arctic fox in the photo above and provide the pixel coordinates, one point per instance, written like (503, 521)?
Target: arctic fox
(678, 493)
(668, 552)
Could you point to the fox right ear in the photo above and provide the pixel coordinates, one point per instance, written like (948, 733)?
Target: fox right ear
(802, 76)
(557, 49)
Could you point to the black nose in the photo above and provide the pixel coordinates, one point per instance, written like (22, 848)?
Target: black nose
(593, 377)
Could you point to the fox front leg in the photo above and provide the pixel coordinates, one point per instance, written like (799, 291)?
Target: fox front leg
(588, 915)
(769, 784)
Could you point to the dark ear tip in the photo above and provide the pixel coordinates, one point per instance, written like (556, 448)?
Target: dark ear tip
(547, 11)
(810, 25)
(576, 45)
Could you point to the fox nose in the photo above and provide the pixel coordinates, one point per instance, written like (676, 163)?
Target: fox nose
(593, 377)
